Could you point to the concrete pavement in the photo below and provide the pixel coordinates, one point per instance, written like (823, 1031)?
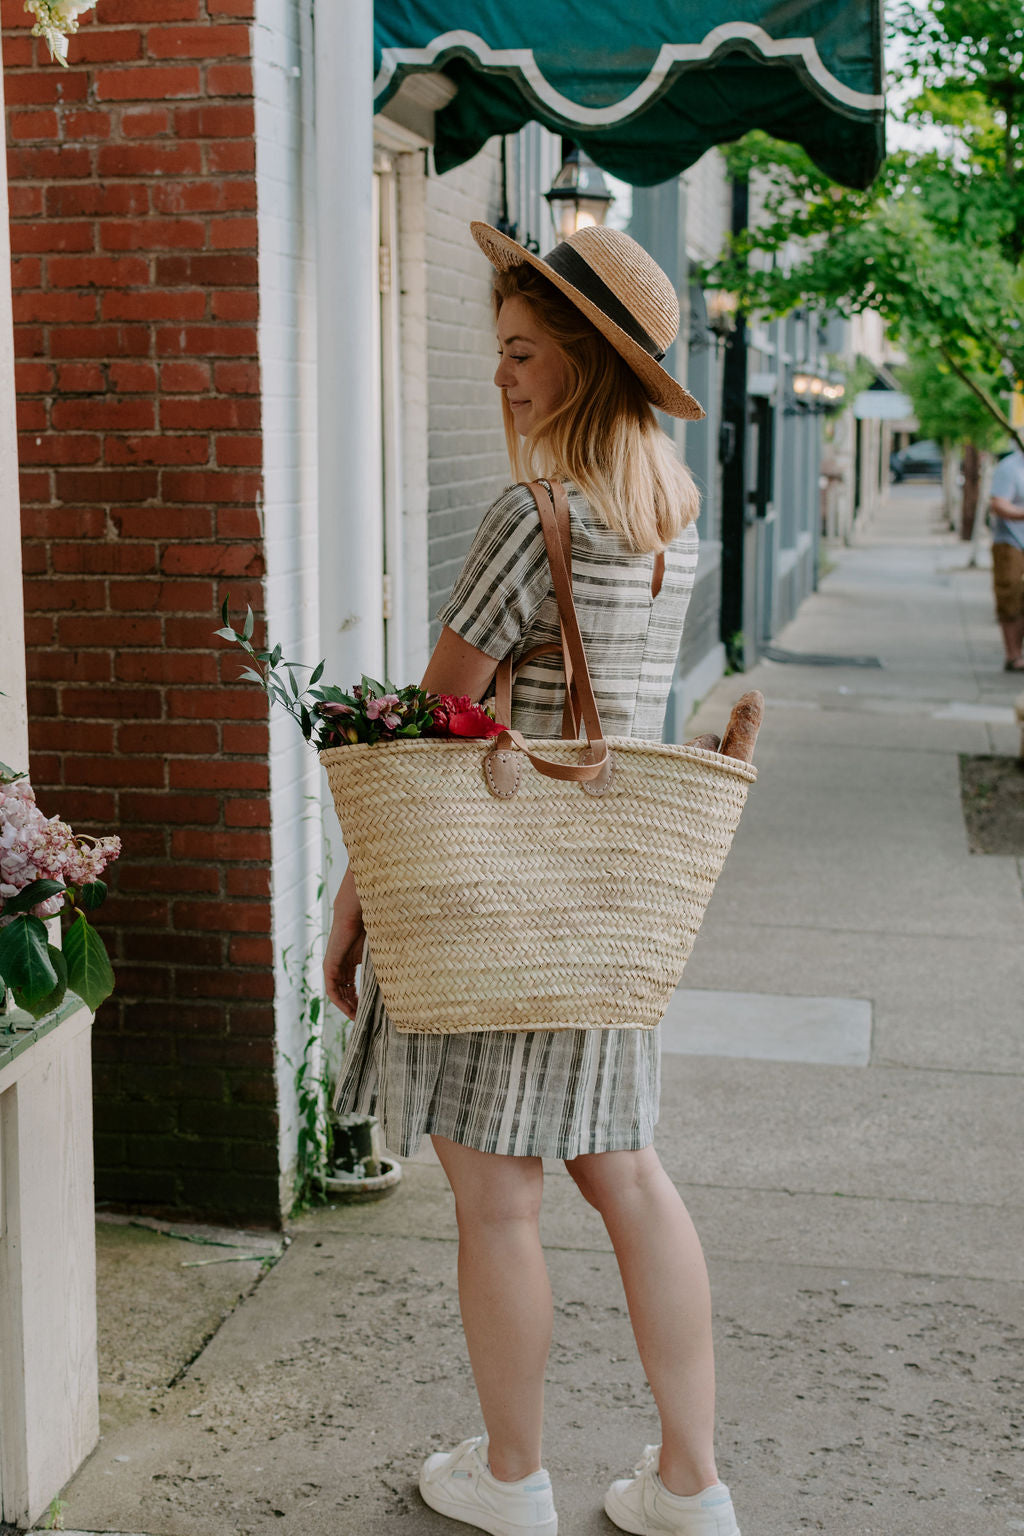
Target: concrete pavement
(852, 1161)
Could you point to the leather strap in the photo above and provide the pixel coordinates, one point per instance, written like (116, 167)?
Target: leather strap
(555, 522)
(505, 674)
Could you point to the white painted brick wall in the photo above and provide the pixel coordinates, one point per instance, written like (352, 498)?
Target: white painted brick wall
(707, 206)
(412, 279)
(282, 40)
(467, 461)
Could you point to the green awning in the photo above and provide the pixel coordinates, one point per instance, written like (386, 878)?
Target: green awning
(646, 91)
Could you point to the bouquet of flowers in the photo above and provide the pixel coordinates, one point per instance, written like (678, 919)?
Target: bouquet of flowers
(369, 712)
(47, 869)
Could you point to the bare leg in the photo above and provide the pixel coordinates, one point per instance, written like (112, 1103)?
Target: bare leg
(1013, 637)
(505, 1297)
(666, 1285)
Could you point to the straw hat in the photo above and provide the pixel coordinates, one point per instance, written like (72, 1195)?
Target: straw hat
(621, 291)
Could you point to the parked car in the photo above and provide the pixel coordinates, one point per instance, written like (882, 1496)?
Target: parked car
(923, 459)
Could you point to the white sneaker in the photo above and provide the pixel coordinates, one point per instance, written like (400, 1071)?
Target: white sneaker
(643, 1505)
(459, 1484)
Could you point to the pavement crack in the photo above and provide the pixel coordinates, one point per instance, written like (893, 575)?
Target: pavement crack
(267, 1263)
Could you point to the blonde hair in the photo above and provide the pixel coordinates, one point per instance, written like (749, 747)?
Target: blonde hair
(603, 437)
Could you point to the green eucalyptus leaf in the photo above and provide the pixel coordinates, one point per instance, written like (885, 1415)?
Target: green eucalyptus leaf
(89, 971)
(226, 634)
(275, 656)
(24, 957)
(251, 676)
(317, 673)
(224, 610)
(250, 623)
(31, 896)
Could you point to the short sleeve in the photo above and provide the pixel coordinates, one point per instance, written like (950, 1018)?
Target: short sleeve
(505, 578)
(1007, 478)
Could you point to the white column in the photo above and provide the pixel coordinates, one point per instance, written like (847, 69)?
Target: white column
(348, 411)
(13, 714)
(349, 497)
(49, 1406)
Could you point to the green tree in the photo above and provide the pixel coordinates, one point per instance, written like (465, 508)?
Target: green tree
(946, 409)
(935, 245)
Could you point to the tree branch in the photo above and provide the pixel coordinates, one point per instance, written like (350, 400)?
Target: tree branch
(986, 399)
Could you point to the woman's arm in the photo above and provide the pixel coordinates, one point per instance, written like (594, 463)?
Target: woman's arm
(458, 668)
(1003, 507)
(344, 948)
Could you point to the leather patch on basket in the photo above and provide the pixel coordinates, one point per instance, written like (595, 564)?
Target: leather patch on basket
(602, 783)
(503, 771)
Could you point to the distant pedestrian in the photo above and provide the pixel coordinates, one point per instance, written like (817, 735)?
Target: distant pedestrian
(1007, 509)
(580, 337)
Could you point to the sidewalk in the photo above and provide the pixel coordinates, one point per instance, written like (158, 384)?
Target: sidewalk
(852, 1162)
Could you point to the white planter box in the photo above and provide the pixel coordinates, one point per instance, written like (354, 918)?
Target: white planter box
(49, 1396)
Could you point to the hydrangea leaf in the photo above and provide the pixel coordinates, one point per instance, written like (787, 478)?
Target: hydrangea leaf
(25, 962)
(89, 971)
(31, 896)
(93, 895)
(39, 1006)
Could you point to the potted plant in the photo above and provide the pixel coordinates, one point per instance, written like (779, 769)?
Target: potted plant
(359, 1170)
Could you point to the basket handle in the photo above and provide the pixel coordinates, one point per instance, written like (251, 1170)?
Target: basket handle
(580, 703)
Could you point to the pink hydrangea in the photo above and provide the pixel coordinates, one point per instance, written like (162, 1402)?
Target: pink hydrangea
(37, 847)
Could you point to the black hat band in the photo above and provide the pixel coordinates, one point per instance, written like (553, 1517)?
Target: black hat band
(568, 263)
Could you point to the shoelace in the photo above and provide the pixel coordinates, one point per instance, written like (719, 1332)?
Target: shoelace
(648, 1461)
(459, 1455)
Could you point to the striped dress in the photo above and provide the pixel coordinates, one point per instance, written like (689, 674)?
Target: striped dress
(537, 1093)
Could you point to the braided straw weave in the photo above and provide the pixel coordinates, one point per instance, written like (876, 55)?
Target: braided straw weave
(556, 909)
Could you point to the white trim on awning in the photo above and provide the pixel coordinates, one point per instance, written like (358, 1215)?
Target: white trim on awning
(796, 49)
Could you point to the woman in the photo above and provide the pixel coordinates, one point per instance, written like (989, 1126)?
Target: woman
(581, 334)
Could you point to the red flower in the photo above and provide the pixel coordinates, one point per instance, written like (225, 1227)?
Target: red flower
(473, 722)
(459, 716)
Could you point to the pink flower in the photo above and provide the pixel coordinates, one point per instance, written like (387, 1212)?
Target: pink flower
(383, 706)
(36, 847)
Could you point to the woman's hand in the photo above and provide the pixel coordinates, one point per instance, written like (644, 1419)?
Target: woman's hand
(344, 948)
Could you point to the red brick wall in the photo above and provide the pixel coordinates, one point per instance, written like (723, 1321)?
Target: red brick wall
(133, 235)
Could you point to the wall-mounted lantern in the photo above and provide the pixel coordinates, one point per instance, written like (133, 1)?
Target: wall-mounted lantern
(812, 393)
(722, 307)
(579, 195)
(712, 317)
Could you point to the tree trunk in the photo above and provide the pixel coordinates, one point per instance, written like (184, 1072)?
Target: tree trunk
(972, 479)
(950, 482)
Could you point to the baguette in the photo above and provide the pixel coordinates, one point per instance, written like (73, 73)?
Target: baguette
(744, 724)
(707, 743)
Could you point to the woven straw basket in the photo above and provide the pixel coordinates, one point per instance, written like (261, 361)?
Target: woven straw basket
(510, 884)
(553, 909)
